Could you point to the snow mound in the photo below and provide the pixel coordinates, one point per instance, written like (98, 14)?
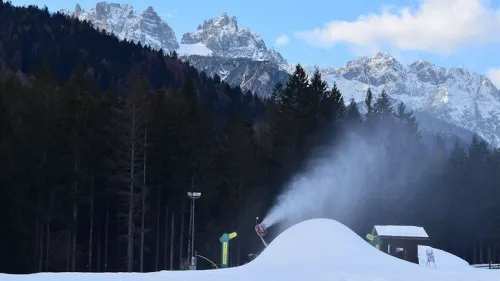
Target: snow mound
(329, 249)
(325, 243)
(444, 260)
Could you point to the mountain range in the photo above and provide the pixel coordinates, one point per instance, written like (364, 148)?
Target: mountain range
(454, 101)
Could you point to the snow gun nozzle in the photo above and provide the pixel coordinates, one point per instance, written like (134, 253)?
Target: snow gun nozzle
(260, 229)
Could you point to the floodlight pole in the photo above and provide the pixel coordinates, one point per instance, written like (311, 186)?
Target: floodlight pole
(193, 196)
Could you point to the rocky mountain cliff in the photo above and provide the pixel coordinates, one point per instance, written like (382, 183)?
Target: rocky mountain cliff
(125, 23)
(256, 76)
(225, 39)
(456, 95)
(465, 100)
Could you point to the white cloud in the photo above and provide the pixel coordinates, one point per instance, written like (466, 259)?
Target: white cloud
(494, 75)
(168, 14)
(439, 26)
(282, 40)
(165, 15)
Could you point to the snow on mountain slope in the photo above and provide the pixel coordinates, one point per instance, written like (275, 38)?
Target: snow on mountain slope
(120, 19)
(225, 38)
(457, 95)
(256, 76)
(317, 249)
(197, 49)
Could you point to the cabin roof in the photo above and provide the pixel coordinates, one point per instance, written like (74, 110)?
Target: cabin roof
(405, 231)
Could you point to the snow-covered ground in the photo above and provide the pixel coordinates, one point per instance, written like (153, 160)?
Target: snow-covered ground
(317, 250)
(443, 260)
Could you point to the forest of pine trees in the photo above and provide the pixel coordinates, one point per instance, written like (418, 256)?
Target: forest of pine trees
(100, 140)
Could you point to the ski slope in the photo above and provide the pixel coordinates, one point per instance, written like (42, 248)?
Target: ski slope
(317, 250)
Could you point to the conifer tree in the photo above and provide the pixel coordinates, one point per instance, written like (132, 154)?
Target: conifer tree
(198, 139)
(73, 118)
(290, 120)
(318, 86)
(369, 103)
(352, 115)
(339, 108)
(277, 93)
(128, 125)
(382, 107)
(478, 150)
(296, 87)
(309, 103)
(237, 153)
(407, 119)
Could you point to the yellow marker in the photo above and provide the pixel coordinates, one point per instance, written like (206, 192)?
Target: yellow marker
(224, 253)
(232, 235)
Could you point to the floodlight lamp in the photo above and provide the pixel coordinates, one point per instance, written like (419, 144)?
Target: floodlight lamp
(194, 195)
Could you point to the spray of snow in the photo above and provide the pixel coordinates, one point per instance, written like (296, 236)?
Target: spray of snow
(338, 182)
(325, 183)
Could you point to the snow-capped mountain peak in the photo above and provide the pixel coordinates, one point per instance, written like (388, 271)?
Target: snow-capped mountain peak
(225, 38)
(219, 36)
(457, 95)
(222, 23)
(428, 72)
(120, 19)
(380, 69)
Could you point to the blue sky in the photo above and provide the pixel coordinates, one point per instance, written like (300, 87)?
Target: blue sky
(329, 33)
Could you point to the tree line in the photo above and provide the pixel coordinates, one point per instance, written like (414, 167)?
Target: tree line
(100, 140)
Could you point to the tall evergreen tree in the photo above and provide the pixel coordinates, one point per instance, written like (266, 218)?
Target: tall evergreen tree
(408, 120)
(74, 112)
(352, 115)
(382, 107)
(277, 93)
(369, 104)
(128, 123)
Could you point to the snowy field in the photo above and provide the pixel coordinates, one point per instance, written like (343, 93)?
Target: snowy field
(316, 250)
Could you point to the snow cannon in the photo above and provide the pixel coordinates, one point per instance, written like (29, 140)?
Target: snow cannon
(261, 231)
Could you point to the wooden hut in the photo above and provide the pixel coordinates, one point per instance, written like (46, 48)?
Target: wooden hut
(400, 241)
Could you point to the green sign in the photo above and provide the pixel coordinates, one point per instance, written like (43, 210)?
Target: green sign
(224, 239)
(370, 237)
(374, 240)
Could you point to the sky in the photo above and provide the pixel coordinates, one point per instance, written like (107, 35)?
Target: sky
(449, 33)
